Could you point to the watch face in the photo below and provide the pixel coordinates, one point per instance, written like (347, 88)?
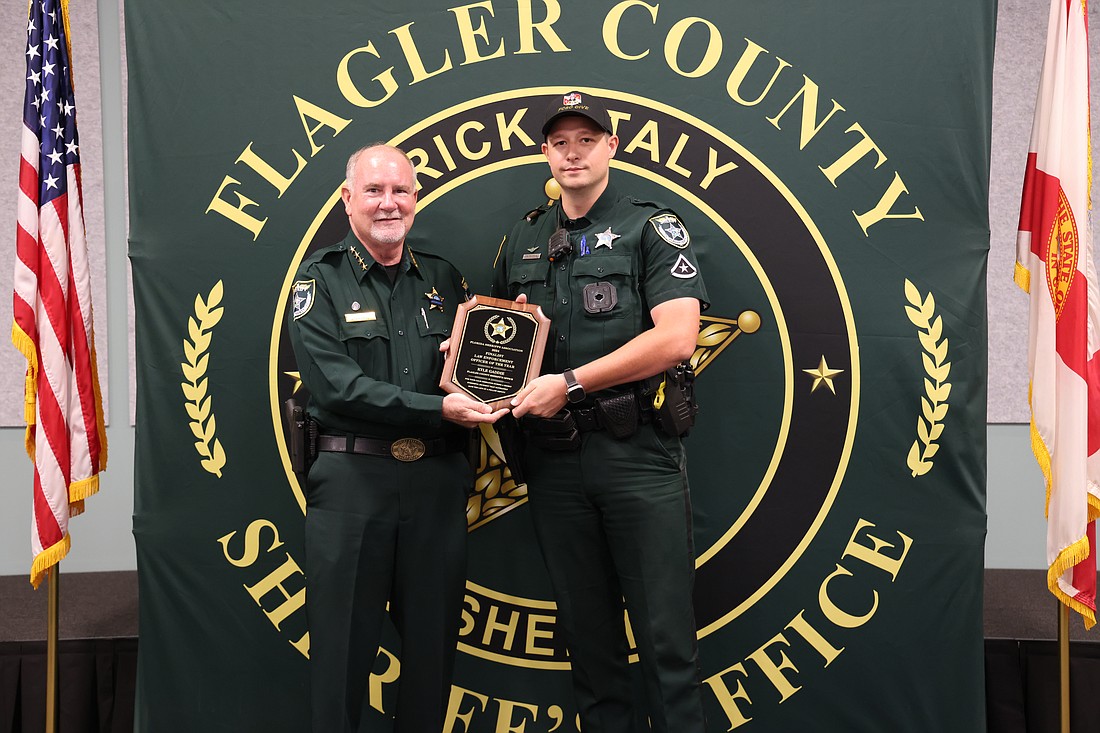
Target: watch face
(575, 393)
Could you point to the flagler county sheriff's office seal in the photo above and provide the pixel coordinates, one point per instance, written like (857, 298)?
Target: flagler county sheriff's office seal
(779, 406)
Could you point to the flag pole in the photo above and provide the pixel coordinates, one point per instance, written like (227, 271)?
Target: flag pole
(1063, 664)
(52, 614)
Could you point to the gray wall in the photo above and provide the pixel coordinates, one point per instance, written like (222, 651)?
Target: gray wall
(102, 539)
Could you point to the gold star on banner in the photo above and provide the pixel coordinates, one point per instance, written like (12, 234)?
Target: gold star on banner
(823, 375)
(297, 377)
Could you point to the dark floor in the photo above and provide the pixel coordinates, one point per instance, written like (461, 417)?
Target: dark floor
(104, 606)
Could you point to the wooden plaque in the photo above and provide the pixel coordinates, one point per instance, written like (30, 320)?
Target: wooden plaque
(496, 348)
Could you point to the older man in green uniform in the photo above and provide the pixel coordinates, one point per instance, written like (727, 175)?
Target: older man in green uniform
(386, 495)
(621, 285)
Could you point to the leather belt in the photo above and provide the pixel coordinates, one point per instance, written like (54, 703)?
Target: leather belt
(403, 449)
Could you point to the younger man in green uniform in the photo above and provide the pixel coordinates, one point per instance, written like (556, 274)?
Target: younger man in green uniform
(386, 496)
(621, 285)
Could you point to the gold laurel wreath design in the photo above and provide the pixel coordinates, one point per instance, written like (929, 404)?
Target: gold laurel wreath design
(199, 403)
(495, 491)
(936, 387)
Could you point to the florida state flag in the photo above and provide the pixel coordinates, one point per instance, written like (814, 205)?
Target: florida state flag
(1054, 264)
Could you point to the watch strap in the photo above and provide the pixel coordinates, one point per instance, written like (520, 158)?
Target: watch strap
(574, 391)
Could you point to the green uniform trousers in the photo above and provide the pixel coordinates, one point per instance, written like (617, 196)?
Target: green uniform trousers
(379, 530)
(613, 520)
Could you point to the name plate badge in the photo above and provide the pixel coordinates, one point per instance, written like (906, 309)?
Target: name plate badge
(360, 317)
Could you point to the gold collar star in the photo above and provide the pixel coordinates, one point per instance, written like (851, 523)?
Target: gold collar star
(823, 375)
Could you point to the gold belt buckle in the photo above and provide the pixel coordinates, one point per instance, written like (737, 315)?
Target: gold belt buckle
(408, 449)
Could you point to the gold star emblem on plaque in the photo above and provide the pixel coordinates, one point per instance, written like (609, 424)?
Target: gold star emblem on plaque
(823, 375)
(500, 328)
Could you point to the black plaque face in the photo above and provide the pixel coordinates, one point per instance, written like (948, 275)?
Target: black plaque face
(496, 348)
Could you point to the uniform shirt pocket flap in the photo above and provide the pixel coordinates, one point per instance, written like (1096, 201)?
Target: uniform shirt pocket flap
(524, 273)
(600, 267)
(433, 326)
(363, 330)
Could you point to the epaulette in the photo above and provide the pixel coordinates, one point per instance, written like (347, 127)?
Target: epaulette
(533, 215)
(320, 254)
(641, 202)
(423, 254)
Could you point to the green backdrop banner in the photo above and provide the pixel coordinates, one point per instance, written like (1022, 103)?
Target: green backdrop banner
(831, 161)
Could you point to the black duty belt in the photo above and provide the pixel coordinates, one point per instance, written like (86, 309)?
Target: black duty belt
(403, 449)
(587, 419)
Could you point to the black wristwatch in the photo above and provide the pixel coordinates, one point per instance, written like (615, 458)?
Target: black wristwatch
(574, 392)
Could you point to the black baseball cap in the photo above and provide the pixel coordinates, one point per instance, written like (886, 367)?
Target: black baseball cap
(577, 103)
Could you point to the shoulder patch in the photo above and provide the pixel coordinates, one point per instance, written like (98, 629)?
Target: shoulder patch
(683, 269)
(671, 229)
(302, 297)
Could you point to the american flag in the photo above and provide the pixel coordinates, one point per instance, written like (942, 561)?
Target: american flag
(53, 310)
(1054, 264)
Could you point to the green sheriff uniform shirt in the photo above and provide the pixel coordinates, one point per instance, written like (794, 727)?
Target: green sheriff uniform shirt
(369, 352)
(628, 256)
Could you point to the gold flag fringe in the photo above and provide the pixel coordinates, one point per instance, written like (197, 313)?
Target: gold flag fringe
(1076, 552)
(47, 559)
(1022, 277)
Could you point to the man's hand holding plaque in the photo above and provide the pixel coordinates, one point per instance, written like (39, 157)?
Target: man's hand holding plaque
(496, 347)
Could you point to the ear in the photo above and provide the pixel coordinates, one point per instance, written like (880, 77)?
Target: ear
(345, 194)
(613, 144)
(545, 148)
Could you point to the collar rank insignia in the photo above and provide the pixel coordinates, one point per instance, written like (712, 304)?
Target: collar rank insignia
(302, 296)
(672, 230)
(683, 268)
(434, 299)
(604, 239)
